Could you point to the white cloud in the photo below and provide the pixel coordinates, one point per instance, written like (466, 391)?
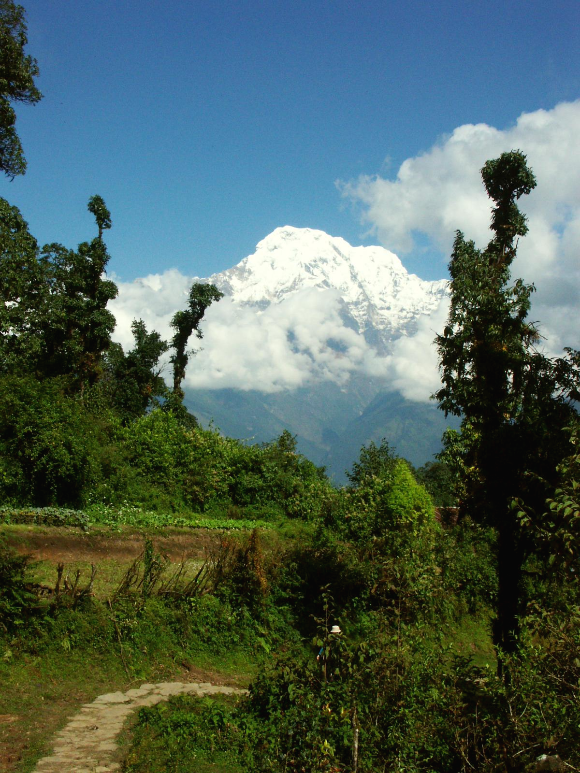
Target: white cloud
(413, 365)
(441, 191)
(154, 299)
(291, 344)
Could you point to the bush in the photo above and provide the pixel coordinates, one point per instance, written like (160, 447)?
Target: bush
(48, 444)
(18, 602)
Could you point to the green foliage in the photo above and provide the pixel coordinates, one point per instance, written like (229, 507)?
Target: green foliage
(374, 462)
(53, 320)
(17, 73)
(22, 292)
(77, 329)
(466, 556)
(170, 736)
(413, 705)
(45, 516)
(440, 482)
(184, 466)
(17, 601)
(134, 515)
(48, 444)
(98, 208)
(201, 470)
(312, 568)
(133, 381)
(406, 503)
(240, 575)
(558, 532)
(385, 505)
(302, 712)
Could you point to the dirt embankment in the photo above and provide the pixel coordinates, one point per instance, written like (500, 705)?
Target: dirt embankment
(64, 544)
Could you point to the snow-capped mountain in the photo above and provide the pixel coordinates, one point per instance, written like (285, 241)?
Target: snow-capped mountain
(379, 295)
(338, 395)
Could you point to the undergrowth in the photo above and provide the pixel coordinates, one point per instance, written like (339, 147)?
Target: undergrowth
(186, 732)
(230, 519)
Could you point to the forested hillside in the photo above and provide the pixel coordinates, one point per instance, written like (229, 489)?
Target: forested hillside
(412, 620)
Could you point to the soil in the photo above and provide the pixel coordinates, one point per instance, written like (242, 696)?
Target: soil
(66, 544)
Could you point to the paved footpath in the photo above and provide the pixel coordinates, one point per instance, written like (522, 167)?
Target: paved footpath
(88, 742)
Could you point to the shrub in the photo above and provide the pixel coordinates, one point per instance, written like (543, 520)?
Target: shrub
(48, 444)
(18, 602)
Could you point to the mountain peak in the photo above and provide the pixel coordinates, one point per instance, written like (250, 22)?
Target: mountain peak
(377, 291)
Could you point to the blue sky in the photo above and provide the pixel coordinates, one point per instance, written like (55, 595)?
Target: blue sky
(206, 124)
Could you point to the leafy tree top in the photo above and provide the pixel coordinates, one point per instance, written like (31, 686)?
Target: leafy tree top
(374, 462)
(98, 208)
(17, 73)
(201, 296)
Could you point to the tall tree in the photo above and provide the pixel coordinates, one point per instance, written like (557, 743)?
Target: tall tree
(23, 293)
(201, 296)
(80, 326)
(514, 401)
(17, 73)
(53, 319)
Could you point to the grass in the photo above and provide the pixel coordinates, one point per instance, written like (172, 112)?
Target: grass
(39, 693)
(471, 636)
(110, 572)
(47, 678)
(185, 732)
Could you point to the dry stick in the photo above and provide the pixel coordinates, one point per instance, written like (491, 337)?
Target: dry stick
(201, 579)
(76, 582)
(87, 591)
(356, 732)
(171, 583)
(59, 571)
(89, 587)
(527, 749)
(118, 638)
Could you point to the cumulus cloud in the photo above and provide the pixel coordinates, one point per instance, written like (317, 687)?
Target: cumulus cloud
(413, 368)
(440, 191)
(290, 344)
(154, 299)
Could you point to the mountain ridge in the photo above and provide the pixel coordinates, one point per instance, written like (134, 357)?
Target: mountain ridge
(378, 293)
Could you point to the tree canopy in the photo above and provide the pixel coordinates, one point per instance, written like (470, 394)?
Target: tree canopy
(54, 320)
(17, 73)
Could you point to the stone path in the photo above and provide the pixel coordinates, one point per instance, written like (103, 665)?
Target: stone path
(87, 744)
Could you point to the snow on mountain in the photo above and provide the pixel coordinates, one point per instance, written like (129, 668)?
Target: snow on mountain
(378, 293)
(305, 308)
